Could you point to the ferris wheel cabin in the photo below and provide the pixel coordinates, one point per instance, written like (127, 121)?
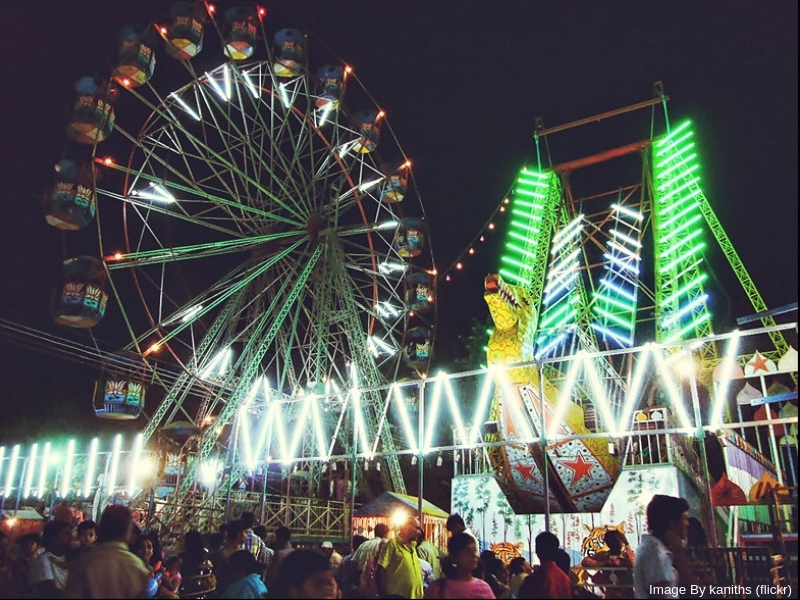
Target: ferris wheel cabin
(183, 36)
(409, 241)
(92, 117)
(81, 301)
(419, 293)
(332, 80)
(289, 49)
(368, 127)
(136, 60)
(71, 203)
(118, 397)
(241, 32)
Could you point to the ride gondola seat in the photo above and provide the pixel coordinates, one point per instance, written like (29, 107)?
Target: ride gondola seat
(369, 131)
(241, 35)
(332, 79)
(184, 35)
(136, 61)
(289, 50)
(81, 301)
(92, 118)
(409, 240)
(118, 398)
(418, 346)
(70, 204)
(394, 190)
(419, 292)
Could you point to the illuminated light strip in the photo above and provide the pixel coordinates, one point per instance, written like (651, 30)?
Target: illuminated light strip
(727, 374)
(485, 396)
(276, 417)
(618, 234)
(600, 399)
(380, 344)
(451, 397)
(566, 318)
(65, 481)
(564, 396)
(691, 267)
(681, 228)
(531, 205)
(667, 145)
(625, 342)
(12, 470)
(665, 210)
(264, 434)
(672, 134)
(564, 263)
(43, 470)
(678, 336)
(525, 227)
(138, 444)
(666, 224)
(215, 86)
(676, 178)
(619, 290)
(324, 112)
(534, 178)
(516, 263)
(114, 469)
(212, 366)
(522, 238)
(552, 316)
(299, 430)
(227, 81)
(675, 191)
(632, 227)
(26, 490)
(509, 275)
(284, 96)
(632, 393)
(621, 264)
(673, 318)
(686, 288)
(555, 342)
(680, 163)
(90, 468)
(2, 462)
(319, 429)
(431, 416)
(513, 400)
(551, 295)
(250, 85)
(616, 318)
(360, 426)
(672, 391)
(182, 103)
(405, 420)
(530, 194)
(683, 242)
(623, 250)
(519, 250)
(571, 231)
(616, 302)
(526, 215)
(633, 214)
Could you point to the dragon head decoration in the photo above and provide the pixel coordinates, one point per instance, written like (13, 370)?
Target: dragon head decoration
(514, 316)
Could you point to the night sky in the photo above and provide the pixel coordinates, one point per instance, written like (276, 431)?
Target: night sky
(462, 84)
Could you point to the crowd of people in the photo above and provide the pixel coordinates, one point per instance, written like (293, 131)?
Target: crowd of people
(113, 559)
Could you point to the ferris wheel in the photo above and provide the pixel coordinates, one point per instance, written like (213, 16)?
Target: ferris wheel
(259, 224)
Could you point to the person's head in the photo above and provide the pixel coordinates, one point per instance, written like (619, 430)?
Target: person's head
(563, 560)
(488, 555)
(193, 544)
(174, 564)
(357, 541)
(326, 549)
(455, 524)
(519, 565)
(116, 524)
(248, 519)
(87, 533)
(381, 531)
(305, 574)
(142, 547)
(462, 555)
(237, 535)
(57, 537)
(223, 529)
(261, 532)
(546, 546)
(242, 563)
(497, 569)
(29, 544)
(615, 540)
(282, 536)
(410, 530)
(667, 513)
(695, 534)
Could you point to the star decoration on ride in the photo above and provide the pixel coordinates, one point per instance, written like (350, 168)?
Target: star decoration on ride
(580, 468)
(759, 362)
(527, 471)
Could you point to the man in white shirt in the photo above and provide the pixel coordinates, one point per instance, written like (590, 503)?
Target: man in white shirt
(49, 571)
